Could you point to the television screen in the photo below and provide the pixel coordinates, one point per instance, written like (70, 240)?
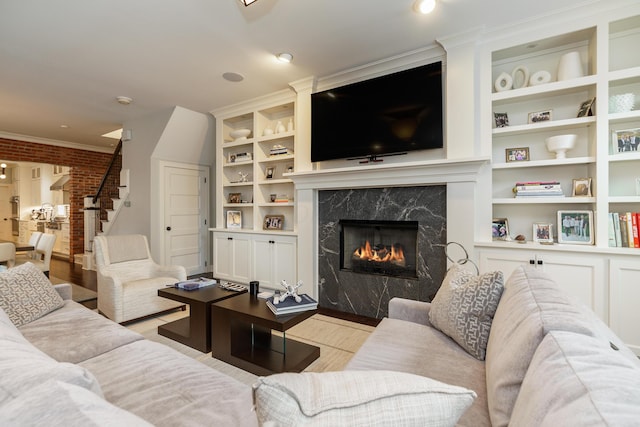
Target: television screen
(392, 114)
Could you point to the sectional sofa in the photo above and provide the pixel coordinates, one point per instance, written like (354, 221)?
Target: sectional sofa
(547, 361)
(71, 366)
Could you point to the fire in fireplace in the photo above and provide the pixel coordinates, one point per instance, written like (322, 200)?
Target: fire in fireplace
(379, 247)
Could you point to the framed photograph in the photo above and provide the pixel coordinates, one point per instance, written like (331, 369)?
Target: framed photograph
(540, 116)
(273, 222)
(502, 120)
(543, 232)
(581, 187)
(586, 108)
(575, 227)
(517, 154)
(271, 170)
(625, 141)
(234, 219)
(235, 197)
(500, 229)
(231, 158)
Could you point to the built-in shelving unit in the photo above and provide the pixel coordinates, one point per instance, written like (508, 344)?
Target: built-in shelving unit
(608, 70)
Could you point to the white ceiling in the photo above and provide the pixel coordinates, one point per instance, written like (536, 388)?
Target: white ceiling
(65, 61)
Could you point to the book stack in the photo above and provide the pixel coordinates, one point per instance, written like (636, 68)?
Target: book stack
(624, 229)
(538, 189)
(279, 150)
(290, 306)
(193, 284)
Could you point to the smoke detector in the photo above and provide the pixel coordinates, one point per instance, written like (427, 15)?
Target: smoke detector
(124, 100)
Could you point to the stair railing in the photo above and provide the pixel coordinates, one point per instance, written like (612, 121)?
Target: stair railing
(115, 155)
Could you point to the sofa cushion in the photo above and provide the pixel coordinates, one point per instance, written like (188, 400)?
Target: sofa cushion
(383, 398)
(464, 307)
(422, 350)
(573, 374)
(85, 333)
(26, 294)
(55, 403)
(143, 376)
(531, 305)
(128, 247)
(23, 367)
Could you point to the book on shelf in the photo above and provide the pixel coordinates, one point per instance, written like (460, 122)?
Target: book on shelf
(538, 189)
(289, 305)
(626, 229)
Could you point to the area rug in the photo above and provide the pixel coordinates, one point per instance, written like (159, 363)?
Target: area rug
(78, 293)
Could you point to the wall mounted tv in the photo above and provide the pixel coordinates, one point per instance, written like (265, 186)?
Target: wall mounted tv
(387, 115)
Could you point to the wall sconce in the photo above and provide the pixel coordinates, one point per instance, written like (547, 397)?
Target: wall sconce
(3, 172)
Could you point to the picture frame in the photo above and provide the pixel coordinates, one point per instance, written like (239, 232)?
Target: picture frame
(575, 227)
(501, 119)
(231, 158)
(520, 154)
(625, 141)
(500, 229)
(273, 222)
(235, 197)
(581, 187)
(586, 108)
(540, 116)
(234, 219)
(543, 232)
(270, 172)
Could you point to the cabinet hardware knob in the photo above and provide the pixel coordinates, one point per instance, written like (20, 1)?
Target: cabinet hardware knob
(229, 238)
(532, 262)
(539, 262)
(168, 228)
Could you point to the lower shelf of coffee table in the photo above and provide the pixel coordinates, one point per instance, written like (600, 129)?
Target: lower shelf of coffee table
(267, 360)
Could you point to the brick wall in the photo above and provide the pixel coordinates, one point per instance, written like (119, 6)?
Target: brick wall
(87, 169)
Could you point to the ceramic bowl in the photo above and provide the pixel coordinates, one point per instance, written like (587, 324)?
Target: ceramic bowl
(560, 144)
(239, 134)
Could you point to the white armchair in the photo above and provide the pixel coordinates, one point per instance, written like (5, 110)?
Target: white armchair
(129, 279)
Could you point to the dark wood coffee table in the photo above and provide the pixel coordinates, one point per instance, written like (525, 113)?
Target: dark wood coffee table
(241, 335)
(195, 330)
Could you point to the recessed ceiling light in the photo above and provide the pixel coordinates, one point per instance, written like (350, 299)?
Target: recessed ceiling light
(124, 100)
(424, 6)
(284, 57)
(233, 77)
(64, 126)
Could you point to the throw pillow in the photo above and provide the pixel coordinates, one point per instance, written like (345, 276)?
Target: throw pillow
(381, 398)
(464, 307)
(26, 294)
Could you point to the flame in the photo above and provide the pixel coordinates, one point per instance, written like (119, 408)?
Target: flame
(394, 254)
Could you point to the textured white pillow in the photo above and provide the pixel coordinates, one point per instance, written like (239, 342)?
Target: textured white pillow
(381, 398)
(464, 307)
(26, 294)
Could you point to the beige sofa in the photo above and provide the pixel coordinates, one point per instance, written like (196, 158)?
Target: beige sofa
(549, 361)
(67, 365)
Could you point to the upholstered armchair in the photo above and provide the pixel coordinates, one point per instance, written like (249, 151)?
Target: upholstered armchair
(129, 279)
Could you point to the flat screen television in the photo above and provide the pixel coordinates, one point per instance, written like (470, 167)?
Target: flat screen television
(386, 115)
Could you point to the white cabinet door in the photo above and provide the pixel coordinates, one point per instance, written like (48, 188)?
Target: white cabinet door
(274, 260)
(231, 257)
(582, 277)
(624, 294)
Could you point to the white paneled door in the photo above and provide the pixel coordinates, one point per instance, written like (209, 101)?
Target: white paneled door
(185, 217)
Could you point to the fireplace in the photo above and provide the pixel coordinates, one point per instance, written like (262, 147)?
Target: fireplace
(412, 220)
(387, 248)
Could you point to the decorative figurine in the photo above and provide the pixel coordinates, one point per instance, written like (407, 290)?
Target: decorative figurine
(243, 176)
(292, 291)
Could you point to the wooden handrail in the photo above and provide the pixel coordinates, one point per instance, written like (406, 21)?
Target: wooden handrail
(106, 174)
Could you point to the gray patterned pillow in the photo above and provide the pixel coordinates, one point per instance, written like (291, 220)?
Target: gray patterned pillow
(464, 307)
(26, 294)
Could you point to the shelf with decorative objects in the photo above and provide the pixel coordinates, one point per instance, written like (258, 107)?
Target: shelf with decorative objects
(564, 111)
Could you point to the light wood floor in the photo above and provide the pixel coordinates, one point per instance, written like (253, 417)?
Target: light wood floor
(338, 340)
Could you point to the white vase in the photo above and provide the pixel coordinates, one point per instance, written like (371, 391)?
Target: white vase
(570, 66)
(280, 127)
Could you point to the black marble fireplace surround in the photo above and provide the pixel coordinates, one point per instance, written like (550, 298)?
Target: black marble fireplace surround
(369, 294)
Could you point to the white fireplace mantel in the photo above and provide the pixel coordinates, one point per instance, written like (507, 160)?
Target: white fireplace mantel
(392, 175)
(460, 175)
